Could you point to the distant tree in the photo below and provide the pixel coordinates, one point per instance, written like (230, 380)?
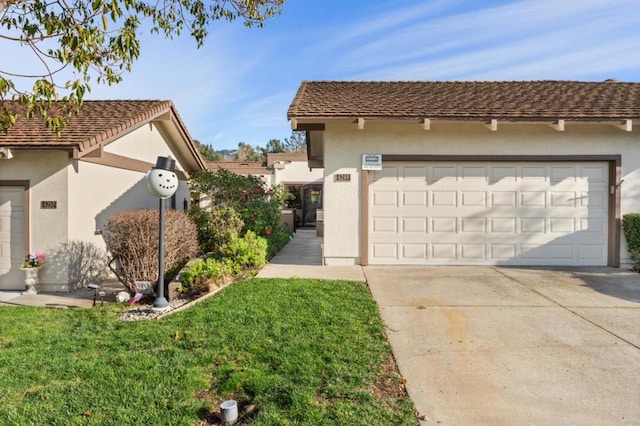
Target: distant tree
(96, 40)
(247, 152)
(274, 145)
(207, 152)
(297, 142)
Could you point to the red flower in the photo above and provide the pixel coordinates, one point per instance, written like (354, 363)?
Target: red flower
(268, 232)
(257, 190)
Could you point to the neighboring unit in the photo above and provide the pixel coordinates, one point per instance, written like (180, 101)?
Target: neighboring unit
(54, 191)
(473, 173)
(290, 170)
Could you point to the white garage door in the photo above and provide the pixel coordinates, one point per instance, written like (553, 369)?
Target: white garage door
(12, 249)
(437, 213)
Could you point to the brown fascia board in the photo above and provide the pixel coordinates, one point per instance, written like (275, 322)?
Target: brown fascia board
(318, 123)
(182, 128)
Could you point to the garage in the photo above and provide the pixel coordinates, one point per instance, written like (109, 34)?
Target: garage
(531, 173)
(489, 213)
(12, 249)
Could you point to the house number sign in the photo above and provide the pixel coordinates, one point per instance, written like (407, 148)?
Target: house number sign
(48, 204)
(346, 177)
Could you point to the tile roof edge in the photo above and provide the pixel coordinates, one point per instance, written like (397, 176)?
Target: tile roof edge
(121, 128)
(296, 100)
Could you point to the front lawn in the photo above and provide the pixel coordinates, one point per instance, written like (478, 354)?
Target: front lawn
(289, 351)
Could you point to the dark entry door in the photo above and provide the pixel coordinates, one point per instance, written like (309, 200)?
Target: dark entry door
(312, 201)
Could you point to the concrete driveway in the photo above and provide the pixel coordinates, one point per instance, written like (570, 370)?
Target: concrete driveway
(515, 346)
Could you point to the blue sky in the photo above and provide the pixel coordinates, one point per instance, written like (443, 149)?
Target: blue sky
(239, 85)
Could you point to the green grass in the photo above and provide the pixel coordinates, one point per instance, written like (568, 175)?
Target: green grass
(301, 351)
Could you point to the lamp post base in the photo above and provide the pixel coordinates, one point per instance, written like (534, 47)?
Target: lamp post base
(160, 304)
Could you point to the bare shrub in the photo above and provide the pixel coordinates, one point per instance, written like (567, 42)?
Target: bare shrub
(132, 239)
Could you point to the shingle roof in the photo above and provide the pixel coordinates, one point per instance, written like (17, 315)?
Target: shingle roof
(525, 100)
(239, 167)
(98, 121)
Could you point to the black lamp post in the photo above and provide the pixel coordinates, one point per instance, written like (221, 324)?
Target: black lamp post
(162, 183)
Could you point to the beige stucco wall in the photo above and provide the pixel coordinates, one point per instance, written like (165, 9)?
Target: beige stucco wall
(46, 172)
(296, 172)
(146, 143)
(344, 145)
(97, 192)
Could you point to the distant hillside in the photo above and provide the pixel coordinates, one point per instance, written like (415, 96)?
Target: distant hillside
(227, 154)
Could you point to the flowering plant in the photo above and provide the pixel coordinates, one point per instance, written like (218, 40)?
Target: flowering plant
(33, 260)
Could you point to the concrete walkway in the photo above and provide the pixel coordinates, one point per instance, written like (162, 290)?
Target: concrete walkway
(81, 298)
(302, 258)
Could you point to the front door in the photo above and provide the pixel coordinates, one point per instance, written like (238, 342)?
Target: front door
(312, 202)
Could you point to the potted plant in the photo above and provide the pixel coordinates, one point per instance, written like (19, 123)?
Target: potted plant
(31, 265)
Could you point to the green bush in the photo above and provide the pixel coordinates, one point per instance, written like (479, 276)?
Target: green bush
(248, 252)
(631, 228)
(244, 253)
(216, 229)
(276, 239)
(196, 277)
(257, 206)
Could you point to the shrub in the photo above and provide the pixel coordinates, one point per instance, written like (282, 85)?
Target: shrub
(248, 252)
(257, 205)
(197, 277)
(244, 253)
(132, 239)
(276, 239)
(216, 229)
(631, 228)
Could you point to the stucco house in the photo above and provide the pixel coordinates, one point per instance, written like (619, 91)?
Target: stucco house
(54, 191)
(473, 173)
(289, 169)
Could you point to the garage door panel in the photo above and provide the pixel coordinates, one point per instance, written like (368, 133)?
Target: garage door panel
(415, 198)
(414, 252)
(561, 173)
(414, 224)
(502, 174)
(440, 173)
(554, 214)
(385, 198)
(594, 173)
(594, 225)
(418, 174)
(444, 198)
(385, 224)
(473, 198)
(562, 199)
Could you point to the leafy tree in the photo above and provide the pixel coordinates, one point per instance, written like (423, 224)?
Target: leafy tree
(274, 145)
(247, 152)
(97, 40)
(207, 152)
(297, 142)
